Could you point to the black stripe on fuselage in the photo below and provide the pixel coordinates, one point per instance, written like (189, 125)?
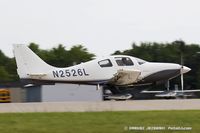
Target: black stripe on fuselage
(162, 75)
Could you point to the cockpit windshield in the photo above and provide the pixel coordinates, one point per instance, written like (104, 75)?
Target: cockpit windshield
(140, 61)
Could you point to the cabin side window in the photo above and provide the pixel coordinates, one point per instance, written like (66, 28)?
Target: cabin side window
(105, 63)
(124, 61)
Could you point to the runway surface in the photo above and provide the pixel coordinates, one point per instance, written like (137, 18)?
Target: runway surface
(176, 104)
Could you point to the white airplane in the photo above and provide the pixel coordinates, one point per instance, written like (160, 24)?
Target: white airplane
(172, 93)
(117, 70)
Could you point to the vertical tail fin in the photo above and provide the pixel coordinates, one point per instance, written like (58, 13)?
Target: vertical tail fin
(28, 62)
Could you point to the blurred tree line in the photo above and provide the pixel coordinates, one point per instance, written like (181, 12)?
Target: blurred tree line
(58, 56)
(150, 51)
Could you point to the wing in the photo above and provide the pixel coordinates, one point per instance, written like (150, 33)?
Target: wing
(125, 77)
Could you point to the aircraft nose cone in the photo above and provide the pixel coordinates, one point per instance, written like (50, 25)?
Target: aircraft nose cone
(185, 69)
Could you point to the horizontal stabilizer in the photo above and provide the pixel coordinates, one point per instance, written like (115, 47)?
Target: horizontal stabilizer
(36, 75)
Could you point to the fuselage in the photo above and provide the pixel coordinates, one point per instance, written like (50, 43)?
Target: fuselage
(101, 70)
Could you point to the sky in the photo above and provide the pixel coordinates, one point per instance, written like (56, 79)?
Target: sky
(102, 26)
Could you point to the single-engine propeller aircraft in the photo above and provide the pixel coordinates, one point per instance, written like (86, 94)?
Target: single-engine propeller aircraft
(111, 71)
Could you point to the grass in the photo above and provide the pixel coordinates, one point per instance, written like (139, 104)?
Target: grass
(97, 122)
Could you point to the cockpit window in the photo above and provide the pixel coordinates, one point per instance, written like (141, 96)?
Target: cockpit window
(140, 61)
(124, 61)
(105, 63)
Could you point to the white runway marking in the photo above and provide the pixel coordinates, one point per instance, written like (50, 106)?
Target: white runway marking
(187, 104)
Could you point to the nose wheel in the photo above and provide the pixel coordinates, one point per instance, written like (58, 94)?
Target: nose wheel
(167, 85)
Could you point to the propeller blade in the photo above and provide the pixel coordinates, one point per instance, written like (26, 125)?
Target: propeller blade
(182, 81)
(182, 63)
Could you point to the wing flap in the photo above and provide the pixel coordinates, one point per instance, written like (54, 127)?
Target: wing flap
(125, 77)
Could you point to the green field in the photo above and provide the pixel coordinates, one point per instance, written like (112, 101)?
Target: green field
(98, 122)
